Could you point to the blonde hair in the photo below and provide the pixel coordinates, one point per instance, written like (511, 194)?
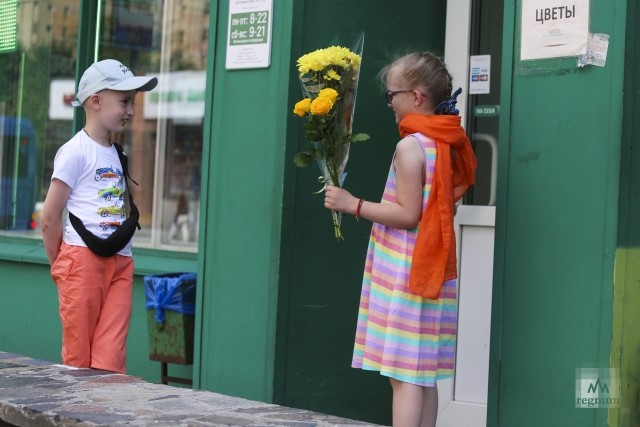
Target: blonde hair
(422, 70)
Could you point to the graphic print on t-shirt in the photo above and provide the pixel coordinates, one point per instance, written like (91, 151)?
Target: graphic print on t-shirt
(112, 213)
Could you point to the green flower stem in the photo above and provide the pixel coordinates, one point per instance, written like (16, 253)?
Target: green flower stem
(336, 225)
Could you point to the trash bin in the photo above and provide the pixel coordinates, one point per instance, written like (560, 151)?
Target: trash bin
(170, 302)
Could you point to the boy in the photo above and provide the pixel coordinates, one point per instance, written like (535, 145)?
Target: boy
(91, 261)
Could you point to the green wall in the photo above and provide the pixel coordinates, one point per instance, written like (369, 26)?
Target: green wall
(625, 345)
(246, 117)
(320, 278)
(556, 226)
(29, 306)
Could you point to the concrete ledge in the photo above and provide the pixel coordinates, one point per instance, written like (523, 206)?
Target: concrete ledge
(37, 393)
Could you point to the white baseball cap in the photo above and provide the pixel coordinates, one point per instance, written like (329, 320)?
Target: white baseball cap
(110, 74)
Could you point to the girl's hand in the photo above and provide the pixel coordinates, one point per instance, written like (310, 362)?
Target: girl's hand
(339, 200)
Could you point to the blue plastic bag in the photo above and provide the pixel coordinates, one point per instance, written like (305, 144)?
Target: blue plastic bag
(173, 291)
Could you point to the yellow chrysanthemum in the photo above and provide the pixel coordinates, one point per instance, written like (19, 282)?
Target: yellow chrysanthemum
(320, 59)
(329, 94)
(302, 107)
(321, 106)
(332, 75)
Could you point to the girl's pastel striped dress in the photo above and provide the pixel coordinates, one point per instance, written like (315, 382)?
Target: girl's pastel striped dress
(401, 334)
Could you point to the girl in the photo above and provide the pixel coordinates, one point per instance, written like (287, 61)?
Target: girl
(407, 320)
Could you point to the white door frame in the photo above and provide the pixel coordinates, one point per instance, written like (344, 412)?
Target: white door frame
(456, 48)
(463, 399)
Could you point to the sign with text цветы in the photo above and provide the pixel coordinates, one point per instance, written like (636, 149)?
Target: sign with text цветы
(553, 28)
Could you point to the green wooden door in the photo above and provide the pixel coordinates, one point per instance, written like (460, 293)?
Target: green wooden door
(320, 277)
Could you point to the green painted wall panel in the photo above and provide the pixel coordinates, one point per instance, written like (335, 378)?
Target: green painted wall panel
(625, 346)
(29, 307)
(240, 254)
(556, 228)
(31, 325)
(320, 278)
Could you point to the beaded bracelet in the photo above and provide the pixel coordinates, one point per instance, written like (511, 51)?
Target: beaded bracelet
(360, 202)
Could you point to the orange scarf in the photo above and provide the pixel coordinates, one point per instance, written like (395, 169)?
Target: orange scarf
(434, 256)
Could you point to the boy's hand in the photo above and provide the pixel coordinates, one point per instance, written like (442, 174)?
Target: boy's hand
(54, 204)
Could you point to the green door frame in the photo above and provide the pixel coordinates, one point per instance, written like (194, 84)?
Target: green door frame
(205, 176)
(626, 337)
(508, 30)
(87, 33)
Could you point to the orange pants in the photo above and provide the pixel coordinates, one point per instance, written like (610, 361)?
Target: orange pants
(95, 307)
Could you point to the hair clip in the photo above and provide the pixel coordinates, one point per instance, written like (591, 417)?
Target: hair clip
(448, 106)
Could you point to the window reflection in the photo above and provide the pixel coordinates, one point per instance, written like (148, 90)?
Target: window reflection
(165, 38)
(30, 134)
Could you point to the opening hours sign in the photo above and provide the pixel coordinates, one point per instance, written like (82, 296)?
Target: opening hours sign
(249, 34)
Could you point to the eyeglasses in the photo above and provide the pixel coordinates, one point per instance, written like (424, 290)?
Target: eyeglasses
(390, 94)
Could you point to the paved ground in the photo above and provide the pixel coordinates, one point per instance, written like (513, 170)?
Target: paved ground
(37, 393)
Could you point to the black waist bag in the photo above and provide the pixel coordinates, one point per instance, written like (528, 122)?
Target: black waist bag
(123, 234)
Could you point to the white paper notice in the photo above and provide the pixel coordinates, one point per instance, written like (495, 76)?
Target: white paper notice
(553, 28)
(249, 35)
(596, 51)
(479, 74)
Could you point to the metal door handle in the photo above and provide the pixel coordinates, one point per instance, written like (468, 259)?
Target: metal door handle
(493, 143)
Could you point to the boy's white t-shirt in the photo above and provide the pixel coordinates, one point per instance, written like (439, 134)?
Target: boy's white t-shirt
(95, 176)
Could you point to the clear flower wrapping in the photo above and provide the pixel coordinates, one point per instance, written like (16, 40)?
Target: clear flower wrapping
(329, 81)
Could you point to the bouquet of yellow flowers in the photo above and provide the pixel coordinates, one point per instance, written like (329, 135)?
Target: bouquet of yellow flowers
(329, 80)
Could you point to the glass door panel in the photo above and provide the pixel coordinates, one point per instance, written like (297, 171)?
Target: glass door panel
(463, 400)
